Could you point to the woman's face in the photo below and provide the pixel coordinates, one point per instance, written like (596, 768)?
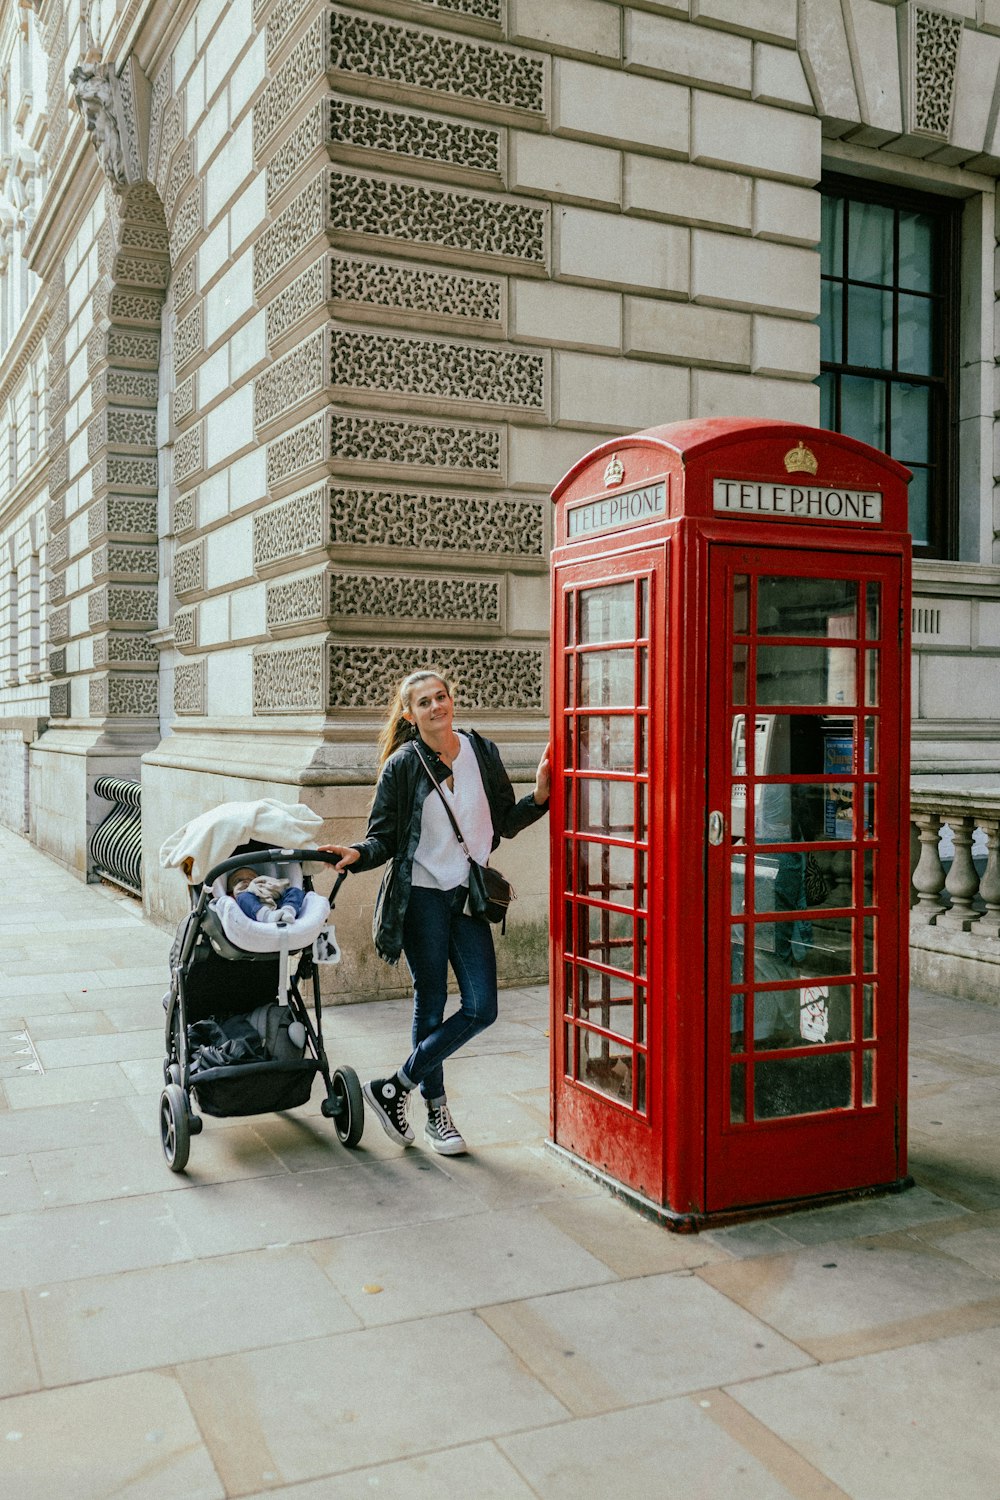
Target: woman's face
(431, 707)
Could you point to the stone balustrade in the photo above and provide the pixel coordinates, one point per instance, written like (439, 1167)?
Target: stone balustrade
(955, 911)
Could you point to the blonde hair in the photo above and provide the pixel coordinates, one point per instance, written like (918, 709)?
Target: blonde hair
(397, 729)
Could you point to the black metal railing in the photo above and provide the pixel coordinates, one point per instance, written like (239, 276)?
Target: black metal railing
(116, 847)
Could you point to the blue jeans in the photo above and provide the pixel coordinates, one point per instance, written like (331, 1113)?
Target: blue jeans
(251, 904)
(436, 932)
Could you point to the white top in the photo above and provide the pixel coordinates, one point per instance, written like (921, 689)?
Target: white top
(439, 862)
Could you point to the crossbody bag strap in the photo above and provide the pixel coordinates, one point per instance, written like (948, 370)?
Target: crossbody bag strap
(451, 816)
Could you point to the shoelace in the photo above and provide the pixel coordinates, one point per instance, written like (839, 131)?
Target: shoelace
(445, 1126)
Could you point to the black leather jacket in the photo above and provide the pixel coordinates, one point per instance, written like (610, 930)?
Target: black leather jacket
(394, 827)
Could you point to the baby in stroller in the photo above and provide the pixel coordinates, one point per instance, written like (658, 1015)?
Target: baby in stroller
(240, 1037)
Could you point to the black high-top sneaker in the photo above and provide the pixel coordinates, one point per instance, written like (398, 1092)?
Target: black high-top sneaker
(390, 1101)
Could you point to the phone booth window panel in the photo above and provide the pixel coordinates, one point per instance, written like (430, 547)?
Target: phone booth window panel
(824, 607)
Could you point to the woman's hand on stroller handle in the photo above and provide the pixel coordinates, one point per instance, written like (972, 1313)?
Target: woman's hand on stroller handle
(347, 855)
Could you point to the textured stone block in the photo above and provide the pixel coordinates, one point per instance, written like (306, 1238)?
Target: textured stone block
(540, 456)
(627, 252)
(564, 169)
(695, 54)
(622, 393)
(594, 101)
(978, 64)
(768, 18)
(737, 272)
(588, 26)
(229, 299)
(779, 77)
(551, 313)
(229, 554)
(682, 331)
(757, 137)
(785, 346)
(717, 394)
(229, 427)
(678, 190)
(230, 169)
(783, 212)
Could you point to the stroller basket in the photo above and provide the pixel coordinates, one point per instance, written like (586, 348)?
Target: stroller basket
(254, 1088)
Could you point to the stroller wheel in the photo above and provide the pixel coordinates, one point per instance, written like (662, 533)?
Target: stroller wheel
(175, 1133)
(346, 1106)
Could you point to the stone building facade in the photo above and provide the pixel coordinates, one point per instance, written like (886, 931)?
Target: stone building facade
(305, 307)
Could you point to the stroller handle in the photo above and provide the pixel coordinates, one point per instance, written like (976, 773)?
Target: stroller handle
(276, 857)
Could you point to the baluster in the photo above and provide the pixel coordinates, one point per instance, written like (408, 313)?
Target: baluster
(988, 926)
(963, 880)
(928, 877)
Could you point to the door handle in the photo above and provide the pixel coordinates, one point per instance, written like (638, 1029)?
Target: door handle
(716, 828)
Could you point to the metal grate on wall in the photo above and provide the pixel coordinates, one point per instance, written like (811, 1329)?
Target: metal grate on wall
(116, 847)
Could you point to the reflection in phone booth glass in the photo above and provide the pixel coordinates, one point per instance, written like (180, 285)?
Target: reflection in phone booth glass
(730, 747)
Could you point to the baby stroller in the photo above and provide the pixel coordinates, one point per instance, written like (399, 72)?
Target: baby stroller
(236, 993)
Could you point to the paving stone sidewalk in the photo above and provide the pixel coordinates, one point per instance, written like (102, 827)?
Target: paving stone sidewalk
(292, 1319)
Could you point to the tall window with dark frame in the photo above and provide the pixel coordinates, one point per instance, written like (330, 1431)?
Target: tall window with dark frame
(887, 338)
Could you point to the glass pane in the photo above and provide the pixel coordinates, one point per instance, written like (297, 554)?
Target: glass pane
(737, 1027)
(827, 400)
(832, 237)
(868, 894)
(570, 926)
(868, 825)
(911, 418)
(644, 674)
(737, 943)
(872, 678)
(572, 1060)
(605, 871)
(640, 816)
(831, 321)
(606, 1065)
(806, 674)
(606, 743)
(640, 879)
(868, 1011)
(741, 604)
(640, 1013)
(803, 947)
(738, 873)
(868, 1077)
(607, 678)
(738, 1094)
(571, 601)
(916, 250)
(920, 506)
(807, 606)
(801, 814)
(571, 681)
(640, 1083)
(642, 624)
(795, 882)
(869, 243)
(605, 1000)
(606, 937)
(862, 409)
(791, 745)
(801, 1085)
(606, 807)
(812, 1015)
(873, 611)
(915, 338)
(869, 328)
(871, 745)
(607, 614)
(870, 929)
(740, 657)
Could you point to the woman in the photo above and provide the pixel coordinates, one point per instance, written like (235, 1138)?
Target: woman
(420, 910)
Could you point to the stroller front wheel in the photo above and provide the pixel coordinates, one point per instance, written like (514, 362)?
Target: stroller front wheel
(346, 1106)
(175, 1130)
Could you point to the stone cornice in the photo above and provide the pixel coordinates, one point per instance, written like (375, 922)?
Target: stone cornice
(27, 339)
(77, 179)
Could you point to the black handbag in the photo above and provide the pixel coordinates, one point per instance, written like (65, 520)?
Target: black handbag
(490, 894)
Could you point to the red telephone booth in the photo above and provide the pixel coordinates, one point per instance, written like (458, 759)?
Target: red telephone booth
(730, 817)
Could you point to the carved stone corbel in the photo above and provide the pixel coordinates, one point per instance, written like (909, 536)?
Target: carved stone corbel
(115, 110)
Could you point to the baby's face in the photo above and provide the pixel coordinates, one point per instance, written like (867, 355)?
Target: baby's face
(240, 877)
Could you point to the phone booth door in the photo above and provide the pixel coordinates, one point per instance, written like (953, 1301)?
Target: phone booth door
(607, 742)
(803, 855)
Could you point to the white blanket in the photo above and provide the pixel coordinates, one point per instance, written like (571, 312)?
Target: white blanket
(212, 836)
(268, 937)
